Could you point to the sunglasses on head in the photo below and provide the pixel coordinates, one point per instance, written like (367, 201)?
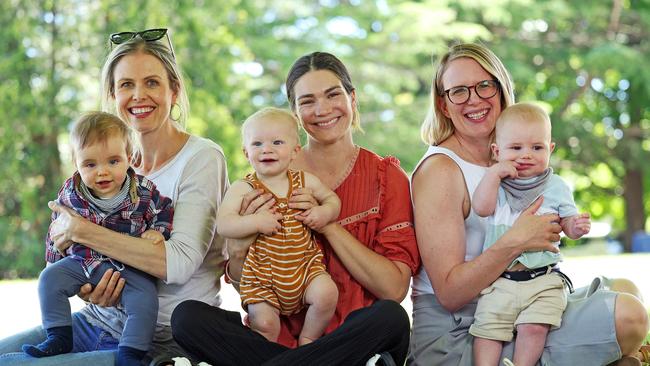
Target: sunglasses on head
(149, 35)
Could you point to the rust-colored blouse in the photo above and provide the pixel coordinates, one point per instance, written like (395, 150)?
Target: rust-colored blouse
(375, 209)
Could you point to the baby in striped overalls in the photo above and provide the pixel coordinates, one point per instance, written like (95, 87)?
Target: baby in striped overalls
(283, 271)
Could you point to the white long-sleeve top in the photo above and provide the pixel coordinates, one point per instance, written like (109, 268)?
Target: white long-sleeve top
(196, 180)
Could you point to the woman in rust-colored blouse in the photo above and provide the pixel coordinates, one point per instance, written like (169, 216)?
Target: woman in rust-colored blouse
(370, 251)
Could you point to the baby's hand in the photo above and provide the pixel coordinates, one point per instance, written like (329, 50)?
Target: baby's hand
(315, 218)
(576, 226)
(157, 237)
(580, 225)
(504, 169)
(268, 222)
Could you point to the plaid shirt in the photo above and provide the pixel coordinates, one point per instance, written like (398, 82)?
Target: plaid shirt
(144, 209)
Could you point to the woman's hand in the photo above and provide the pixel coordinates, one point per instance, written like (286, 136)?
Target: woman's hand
(302, 199)
(256, 200)
(107, 292)
(63, 228)
(535, 233)
(155, 236)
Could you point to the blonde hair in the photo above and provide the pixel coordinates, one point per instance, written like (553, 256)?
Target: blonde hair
(523, 112)
(437, 127)
(164, 55)
(272, 112)
(96, 127)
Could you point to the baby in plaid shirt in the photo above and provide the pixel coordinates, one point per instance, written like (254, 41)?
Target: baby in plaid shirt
(106, 191)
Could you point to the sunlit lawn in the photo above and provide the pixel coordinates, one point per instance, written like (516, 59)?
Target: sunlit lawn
(19, 299)
(19, 308)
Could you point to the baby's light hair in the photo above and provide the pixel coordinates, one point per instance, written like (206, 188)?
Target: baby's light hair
(523, 112)
(96, 127)
(272, 112)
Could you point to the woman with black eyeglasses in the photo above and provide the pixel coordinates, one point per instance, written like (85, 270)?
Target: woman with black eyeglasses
(470, 89)
(142, 84)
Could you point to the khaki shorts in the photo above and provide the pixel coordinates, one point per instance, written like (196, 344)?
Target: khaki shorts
(506, 304)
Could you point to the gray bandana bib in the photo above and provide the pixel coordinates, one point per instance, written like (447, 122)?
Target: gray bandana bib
(520, 193)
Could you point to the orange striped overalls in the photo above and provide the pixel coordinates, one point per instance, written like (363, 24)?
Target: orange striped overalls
(278, 268)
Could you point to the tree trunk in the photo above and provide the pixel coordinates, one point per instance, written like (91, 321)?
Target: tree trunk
(50, 168)
(53, 165)
(634, 212)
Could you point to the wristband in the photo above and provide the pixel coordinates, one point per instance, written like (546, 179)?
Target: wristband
(226, 272)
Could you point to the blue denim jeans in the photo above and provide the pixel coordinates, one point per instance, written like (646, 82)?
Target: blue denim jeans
(92, 346)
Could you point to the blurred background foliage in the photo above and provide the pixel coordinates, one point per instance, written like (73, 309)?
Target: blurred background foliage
(585, 61)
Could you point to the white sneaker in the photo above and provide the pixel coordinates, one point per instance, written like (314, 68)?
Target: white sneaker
(182, 361)
(373, 360)
(507, 362)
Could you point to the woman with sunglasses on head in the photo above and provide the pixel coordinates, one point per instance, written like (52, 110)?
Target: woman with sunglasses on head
(143, 84)
(470, 89)
(370, 251)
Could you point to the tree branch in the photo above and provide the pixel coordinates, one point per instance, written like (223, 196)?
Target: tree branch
(614, 19)
(575, 94)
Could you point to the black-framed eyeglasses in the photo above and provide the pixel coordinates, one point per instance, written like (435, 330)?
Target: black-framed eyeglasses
(148, 35)
(484, 89)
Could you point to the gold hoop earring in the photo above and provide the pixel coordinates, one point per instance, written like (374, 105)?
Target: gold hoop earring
(172, 113)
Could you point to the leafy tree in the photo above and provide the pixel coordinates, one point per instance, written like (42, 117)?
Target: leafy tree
(36, 101)
(584, 61)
